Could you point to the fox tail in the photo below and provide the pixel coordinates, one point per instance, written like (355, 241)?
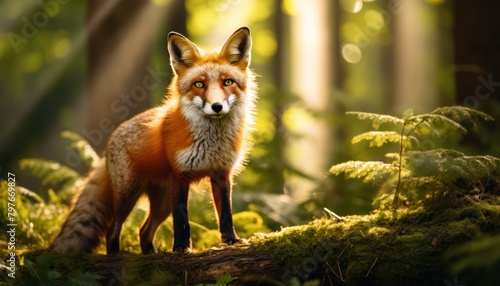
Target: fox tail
(87, 222)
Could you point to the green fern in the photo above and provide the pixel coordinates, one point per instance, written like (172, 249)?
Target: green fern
(61, 177)
(380, 138)
(53, 174)
(377, 119)
(411, 166)
(463, 114)
(371, 171)
(80, 145)
(50, 172)
(450, 165)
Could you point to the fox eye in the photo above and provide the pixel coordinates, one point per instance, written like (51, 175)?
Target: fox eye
(228, 82)
(199, 84)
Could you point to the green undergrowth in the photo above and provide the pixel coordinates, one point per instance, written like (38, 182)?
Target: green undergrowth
(449, 238)
(412, 246)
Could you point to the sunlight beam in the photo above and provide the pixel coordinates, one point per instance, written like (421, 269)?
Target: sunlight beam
(311, 58)
(50, 75)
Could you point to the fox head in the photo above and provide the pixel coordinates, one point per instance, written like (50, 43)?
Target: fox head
(210, 83)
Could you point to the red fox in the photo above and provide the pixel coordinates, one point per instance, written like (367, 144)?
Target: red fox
(201, 130)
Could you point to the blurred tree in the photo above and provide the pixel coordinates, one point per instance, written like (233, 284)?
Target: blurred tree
(42, 58)
(120, 77)
(310, 65)
(477, 65)
(280, 99)
(415, 57)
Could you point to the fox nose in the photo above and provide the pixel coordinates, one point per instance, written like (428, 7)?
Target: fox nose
(217, 107)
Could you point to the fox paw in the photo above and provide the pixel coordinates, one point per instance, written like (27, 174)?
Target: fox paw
(234, 240)
(182, 249)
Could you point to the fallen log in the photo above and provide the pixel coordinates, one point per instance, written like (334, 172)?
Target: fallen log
(405, 247)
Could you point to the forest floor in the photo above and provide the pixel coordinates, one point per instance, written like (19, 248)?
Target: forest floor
(450, 240)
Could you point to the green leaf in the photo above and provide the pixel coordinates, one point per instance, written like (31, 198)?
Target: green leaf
(448, 165)
(377, 138)
(417, 120)
(368, 171)
(407, 114)
(53, 275)
(380, 138)
(86, 152)
(51, 173)
(411, 168)
(30, 194)
(224, 280)
(377, 118)
(83, 278)
(461, 113)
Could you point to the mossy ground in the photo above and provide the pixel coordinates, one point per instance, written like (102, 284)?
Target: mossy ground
(444, 239)
(410, 246)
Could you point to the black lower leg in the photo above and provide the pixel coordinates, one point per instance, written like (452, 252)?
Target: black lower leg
(221, 189)
(228, 235)
(182, 237)
(113, 240)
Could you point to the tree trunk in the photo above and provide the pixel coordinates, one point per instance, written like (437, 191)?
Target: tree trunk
(245, 263)
(416, 61)
(477, 51)
(310, 64)
(477, 63)
(120, 76)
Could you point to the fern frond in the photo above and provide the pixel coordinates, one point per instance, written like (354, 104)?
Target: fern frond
(30, 194)
(368, 171)
(430, 163)
(86, 152)
(432, 119)
(377, 138)
(424, 128)
(407, 114)
(413, 169)
(476, 167)
(377, 119)
(380, 138)
(449, 165)
(51, 173)
(392, 156)
(462, 113)
(429, 183)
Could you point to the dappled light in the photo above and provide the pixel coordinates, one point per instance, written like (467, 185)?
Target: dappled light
(364, 107)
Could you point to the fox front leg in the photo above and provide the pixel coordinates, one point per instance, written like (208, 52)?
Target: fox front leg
(221, 189)
(182, 236)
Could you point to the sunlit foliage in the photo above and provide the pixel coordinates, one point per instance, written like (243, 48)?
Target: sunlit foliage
(414, 165)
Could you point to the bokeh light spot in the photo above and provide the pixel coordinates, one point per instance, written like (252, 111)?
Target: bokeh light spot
(351, 53)
(353, 6)
(61, 48)
(265, 43)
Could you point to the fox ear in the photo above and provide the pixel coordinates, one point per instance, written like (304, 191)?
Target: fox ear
(237, 48)
(183, 53)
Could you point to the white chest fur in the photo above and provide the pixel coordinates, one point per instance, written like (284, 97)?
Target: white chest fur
(213, 147)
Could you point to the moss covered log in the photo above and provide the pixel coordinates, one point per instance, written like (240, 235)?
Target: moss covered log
(413, 246)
